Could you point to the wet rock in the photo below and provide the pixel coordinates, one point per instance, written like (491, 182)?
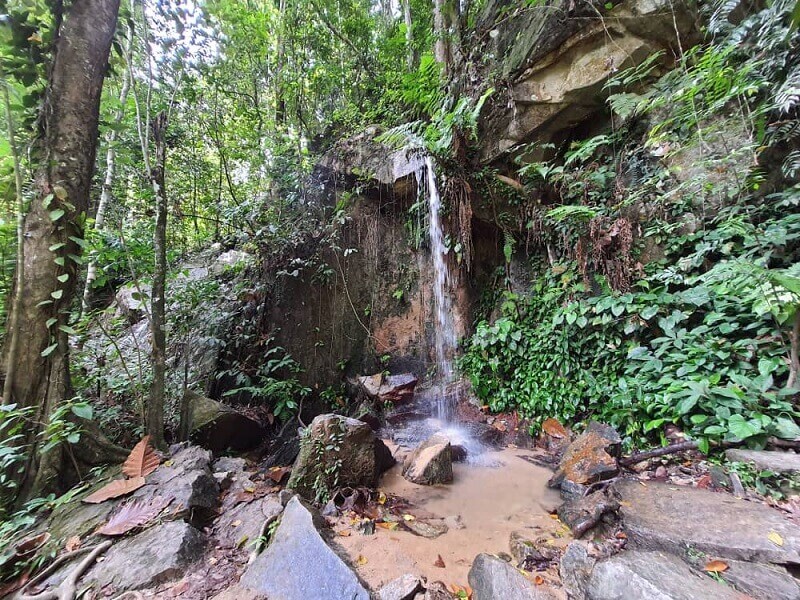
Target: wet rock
(762, 582)
(591, 458)
(220, 427)
(670, 518)
(187, 479)
(427, 529)
(652, 575)
(767, 460)
(582, 514)
(229, 464)
(488, 435)
(404, 587)
(156, 555)
(360, 457)
(492, 579)
(554, 436)
(458, 453)
(530, 553)
(298, 564)
(396, 389)
(431, 462)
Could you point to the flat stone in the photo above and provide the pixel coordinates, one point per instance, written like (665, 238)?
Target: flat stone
(762, 582)
(674, 519)
(430, 530)
(650, 575)
(298, 564)
(431, 462)
(237, 592)
(592, 457)
(494, 579)
(766, 460)
(156, 555)
(404, 587)
(241, 525)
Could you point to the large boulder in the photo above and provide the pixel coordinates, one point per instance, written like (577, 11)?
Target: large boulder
(133, 302)
(591, 458)
(220, 427)
(156, 555)
(395, 389)
(767, 460)
(431, 462)
(340, 445)
(674, 519)
(404, 587)
(651, 575)
(298, 564)
(494, 579)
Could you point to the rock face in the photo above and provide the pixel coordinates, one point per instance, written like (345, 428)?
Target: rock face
(133, 302)
(431, 462)
(404, 587)
(766, 460)
(158, 554)
(592, 457)
(557, 62)
(397, 389)
(651, 575)
(360, 456)
(762, 582)
(298, 564)
(219, 427)
(582, 514)
(493, 579)
(672, 519)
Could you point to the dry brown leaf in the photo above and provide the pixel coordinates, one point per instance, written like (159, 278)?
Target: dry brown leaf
(388, 526)
(538, 580)
(361, 560)
(715, 566)
(278, 473)
(775, 538)
(344, 533)
(72, 544)
(142, 460)
(439, 562)
(132, 515)
(115, 489)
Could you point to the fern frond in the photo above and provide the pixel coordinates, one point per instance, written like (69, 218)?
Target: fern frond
(791, 165)
(788, 95)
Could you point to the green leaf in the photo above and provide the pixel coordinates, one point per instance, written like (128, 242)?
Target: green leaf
(50, 322)
(649, 312)
(57, 294)
(82, 410)
(47, 200)
(55, 247)
(740, 428)
(56, 214)
(63, 278)
(786, 428)
(74, 437)
(49, 350)
(67, 329)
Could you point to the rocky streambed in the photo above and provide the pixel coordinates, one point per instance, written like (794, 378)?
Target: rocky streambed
(427, 527)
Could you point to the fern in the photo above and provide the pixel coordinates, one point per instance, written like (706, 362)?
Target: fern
(572, 213)
(788, 95)
(791, 165)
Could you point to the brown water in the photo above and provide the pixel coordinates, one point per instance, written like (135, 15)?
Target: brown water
(491, 501)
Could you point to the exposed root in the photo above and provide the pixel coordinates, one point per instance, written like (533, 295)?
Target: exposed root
(643, 456)
(68, 588)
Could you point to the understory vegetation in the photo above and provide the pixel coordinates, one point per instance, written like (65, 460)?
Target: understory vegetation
(671, 292)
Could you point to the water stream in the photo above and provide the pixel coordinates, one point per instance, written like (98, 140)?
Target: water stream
(444, 330)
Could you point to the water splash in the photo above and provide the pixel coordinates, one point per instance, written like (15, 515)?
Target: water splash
(445, 335)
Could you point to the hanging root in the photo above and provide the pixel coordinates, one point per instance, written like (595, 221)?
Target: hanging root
(68, 588)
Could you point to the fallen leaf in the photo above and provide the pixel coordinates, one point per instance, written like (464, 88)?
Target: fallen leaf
(775, 538)
(409, 517)
(30, 545)
(381, 498)
(72, 544)
(621, 535)
(361, 560)
(142, 460)
(538, 580)
(554, 428)
(134, 514)
(250, 489)
(439, 562)
(115, 489)
(344, 533)
(236, 523)
(278, 473)
(388, 526)
(715, 566)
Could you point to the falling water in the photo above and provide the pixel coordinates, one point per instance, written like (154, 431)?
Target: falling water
(445, 337)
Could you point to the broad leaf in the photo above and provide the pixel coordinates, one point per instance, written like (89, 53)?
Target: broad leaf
(142, 460)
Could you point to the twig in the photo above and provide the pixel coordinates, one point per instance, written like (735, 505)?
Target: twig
(67, 589)
(643, 456)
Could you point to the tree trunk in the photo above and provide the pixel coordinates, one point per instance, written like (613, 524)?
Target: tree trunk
(155, 408)
(67, 147)
(794, 353)
(108, 182)
(441, 45)
(412, 56)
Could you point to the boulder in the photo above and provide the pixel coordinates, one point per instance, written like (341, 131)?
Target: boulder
(493, 579)
(431, 462)
(592, 457)
(672, 519)
(220, 427)
(230, 260)
(156, 555)
(133, 302)
(396, 389)
(762, 582)
(582, 514)
(298, 564)
(241, 524)
(651, 575)
(767, 460)
(348, 446)
(187, 479)
(404, 587)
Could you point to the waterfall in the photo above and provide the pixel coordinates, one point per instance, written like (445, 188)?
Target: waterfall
(445, 336)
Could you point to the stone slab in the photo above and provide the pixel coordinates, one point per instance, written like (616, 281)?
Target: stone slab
(766, 460)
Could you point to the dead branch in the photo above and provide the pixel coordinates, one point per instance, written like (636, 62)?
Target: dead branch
(67, 589)
(643, 456)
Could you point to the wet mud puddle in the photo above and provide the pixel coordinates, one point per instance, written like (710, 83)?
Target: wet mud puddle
(481, 508)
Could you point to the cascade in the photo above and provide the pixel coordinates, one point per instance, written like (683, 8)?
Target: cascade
(444, 335)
